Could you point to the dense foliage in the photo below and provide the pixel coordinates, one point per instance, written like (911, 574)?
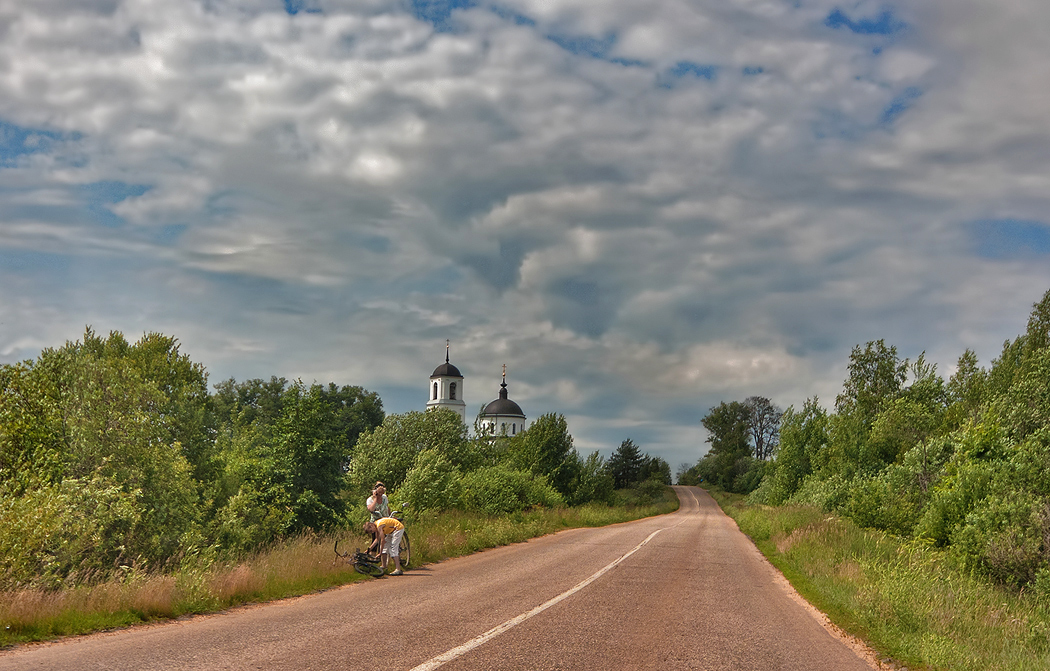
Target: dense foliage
(431, 463)
(116, 456)
(629, 467)
(743, 436)
(962, 464)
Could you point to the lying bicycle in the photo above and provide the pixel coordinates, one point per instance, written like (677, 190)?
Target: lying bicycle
(364, 563)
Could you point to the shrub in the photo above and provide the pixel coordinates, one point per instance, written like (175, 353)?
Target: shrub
(433, 483)
(52, 532)
(965, 483)
(1004, 537)
(594, 482)
(499, 489)
(829, 493)
(649, 491)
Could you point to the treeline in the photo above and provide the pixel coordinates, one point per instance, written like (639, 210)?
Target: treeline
(743, 436)
(962, 464)
(631, 468)
(117, 457)
(430, 462)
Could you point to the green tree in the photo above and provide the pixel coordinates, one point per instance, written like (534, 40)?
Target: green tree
(729, 460)
(966, 390)
(310, 456)
(252, 401)
(625, 464)
(654, 468)
(389, 451)
(876, 375)
(546, 449)
(803, 435)
(594, 482)
(351, 412)
(763, 426)
(90, 411)
(433, 483)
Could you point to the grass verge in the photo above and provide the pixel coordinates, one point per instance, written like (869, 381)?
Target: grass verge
(298, 566)
(912, 603)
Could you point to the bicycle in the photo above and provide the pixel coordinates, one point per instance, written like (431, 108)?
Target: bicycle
(363, 563)
(404, 548)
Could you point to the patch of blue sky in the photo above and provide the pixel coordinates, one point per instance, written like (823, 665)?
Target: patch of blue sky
(294, 7)
(900, 105)
(168, 234)
(439, 12)
(835, 124)
(33, 262)
(584, 45)
(886, 23)
(752, 70)
(98, 196)
(17, 141)
(593, 47)
(685, 70)
(1010, 238)
(511, 15)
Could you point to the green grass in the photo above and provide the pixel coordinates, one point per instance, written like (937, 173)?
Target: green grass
(300, 565)
(910, 602)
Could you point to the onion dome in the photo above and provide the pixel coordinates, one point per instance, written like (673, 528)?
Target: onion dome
(503, 406)
(446, 369)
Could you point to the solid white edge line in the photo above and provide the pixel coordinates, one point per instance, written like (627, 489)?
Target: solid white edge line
(461, 650)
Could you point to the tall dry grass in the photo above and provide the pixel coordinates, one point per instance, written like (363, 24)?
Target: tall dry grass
(299, 565)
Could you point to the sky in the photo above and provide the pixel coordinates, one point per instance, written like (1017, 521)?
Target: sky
(641, 208)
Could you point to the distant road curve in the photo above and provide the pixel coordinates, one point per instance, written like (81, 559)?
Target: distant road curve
(679, 591)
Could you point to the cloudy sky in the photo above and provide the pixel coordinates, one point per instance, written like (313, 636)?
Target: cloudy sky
(642, 208)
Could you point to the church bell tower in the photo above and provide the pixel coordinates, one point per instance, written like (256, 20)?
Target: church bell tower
(446, 388)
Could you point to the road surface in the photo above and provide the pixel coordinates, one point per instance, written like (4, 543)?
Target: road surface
(679, 591)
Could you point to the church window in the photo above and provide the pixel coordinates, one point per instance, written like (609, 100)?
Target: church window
(513, 429)
(435, 391)
(452, 391)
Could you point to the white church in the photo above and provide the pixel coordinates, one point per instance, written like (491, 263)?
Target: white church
(501, 416)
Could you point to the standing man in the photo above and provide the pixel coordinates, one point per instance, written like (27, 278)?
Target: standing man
(377, 504)
(388, 532)
(378, 508)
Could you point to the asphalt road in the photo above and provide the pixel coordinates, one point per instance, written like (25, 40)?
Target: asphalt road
(679, 591)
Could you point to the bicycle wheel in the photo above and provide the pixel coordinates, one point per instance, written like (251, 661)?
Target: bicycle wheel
(368, 568)
(404, 550)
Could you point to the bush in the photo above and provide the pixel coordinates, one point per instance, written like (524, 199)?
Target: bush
(649, 491)
(594, 483)
(828, 494)
(499, 489)
(434, 483)
(54, 533)
(1004, 537)
(880, 503)
(965, 483)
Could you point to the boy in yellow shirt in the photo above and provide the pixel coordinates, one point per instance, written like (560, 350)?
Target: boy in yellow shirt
(389, 532)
